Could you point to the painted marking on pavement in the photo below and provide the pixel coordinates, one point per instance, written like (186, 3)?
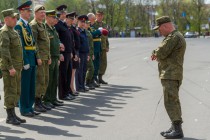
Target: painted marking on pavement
(124, 67)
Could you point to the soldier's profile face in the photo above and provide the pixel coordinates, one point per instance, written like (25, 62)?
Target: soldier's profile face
(26, 14)
(40, 14)
(99, 17)
(11, 21)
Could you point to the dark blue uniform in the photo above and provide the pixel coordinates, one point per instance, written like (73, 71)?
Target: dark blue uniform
(65, 68)
(27, 76)
(83, 55)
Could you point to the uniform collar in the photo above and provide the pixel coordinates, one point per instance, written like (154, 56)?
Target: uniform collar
(25, 21)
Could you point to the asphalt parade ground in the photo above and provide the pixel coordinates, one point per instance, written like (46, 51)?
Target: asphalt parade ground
(128, 108)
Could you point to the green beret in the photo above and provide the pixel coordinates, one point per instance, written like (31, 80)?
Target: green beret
(39, 7)
(51, 13)
(9, 12)
(160, 21)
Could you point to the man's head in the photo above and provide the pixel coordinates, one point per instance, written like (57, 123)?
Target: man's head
(99, 16)
(87, 24)
(81, 21)
(10, 17)
(62, 12)
(25, 10)
(91, 17)
(164, 25)
(70, 18)
(51, 17)
(39, 12)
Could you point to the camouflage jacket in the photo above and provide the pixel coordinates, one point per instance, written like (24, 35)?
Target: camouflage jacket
(42, 40)
(90, 42)
(11, 49)
(170, 56)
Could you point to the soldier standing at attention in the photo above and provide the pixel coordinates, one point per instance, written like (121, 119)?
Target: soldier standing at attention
(43, 57)
(29, 61)
(83, 55)
(11, 65)
(104, 46)
(65, 68)
(170, 58)
(50, 97)
(90, 66)
(71, 21)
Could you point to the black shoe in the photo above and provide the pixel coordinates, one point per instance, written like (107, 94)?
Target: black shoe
(90, 86)
(167, 131)
(19, 119)
(102, 82)
(67, 98)
(81, 90)
(86, 89)
(11, 119)
(71, 97)
(51, 105)
(29, 114)
(176, 133)
(46, 106)
(39, 108)
(95, 84)
(61, 102)
(57, 104)
(75, 93)
(35, 113)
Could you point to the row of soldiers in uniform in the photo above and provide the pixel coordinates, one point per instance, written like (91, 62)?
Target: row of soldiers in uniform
(38, 57)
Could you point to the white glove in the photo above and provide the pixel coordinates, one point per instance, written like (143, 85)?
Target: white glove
(100, 28)
(26, 67)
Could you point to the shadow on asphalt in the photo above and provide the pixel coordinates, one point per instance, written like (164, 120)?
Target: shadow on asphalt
(186, 138)
(4, 137)
(93, 106)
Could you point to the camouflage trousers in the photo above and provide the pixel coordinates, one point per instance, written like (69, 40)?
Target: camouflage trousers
(11, 88)
(103, 62)
(90, 70)
(171, 99)
(42, 79)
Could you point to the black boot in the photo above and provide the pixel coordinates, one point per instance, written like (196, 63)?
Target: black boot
(11, 119)
(19, 119)
(101, 81)
(89, 85)
(37, 106)
(94, 83)
(168, 131)
(176, 133)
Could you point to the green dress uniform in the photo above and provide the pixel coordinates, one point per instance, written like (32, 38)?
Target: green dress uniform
(104, 47)
(43, 52)
(11, 58)
(170, 57)
(90, 66)
(97, 49)
(51, 94)
(29, 59)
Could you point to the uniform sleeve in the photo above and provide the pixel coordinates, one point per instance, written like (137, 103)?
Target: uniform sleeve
(5, 51)
(107, 43)
(96, 33)
(35, 35)
(166, 47)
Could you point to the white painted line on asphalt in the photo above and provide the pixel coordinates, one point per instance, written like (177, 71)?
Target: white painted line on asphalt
(123, 68)
(2, 119)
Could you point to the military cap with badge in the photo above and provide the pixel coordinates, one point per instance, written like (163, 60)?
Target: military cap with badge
(38, 8)
(25, 6)
(9, 13)
(61, 8)
(51, 13)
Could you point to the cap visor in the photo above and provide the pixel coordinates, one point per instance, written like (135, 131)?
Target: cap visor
(15, 15)
(155, 28)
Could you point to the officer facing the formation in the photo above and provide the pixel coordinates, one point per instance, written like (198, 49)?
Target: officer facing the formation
(83, 55)
(42, 55)
(170, 58)
(29, 59)
(11, 65)
(65, 68)
(50, 98)
(104, 46)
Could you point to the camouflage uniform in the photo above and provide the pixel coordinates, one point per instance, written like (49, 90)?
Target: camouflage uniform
(90, 66)
(12, 57)
(43, 52)
(170, 57)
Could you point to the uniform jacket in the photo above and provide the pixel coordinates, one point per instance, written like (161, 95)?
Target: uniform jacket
(170, 56)
(27, 41)
(84, 45)
(11, 50)
(42, 40)
(64, 36)
(76, 39)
